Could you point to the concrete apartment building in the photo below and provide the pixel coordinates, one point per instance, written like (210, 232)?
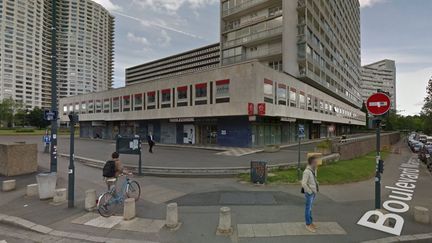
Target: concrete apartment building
(379, 75)
(280, 64)
(85, 49)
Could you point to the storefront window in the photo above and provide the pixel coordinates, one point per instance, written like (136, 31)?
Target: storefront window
(98, 106)
(138, 102)
(151, 97)
(302, 100)
(106, 105)
(222, 88)
(309, 103)
(90, 106)
(282, 94)
(166, 95)
(116, 104)
(268, 91)
(182, 93)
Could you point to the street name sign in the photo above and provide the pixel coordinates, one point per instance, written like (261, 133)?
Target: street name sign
(378, 104)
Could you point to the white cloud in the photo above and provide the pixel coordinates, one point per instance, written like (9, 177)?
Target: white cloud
(411, 90)
(108, 4)
(138, 39)
(159, 24)
(171, 6)
(369, 3)
(164, 39)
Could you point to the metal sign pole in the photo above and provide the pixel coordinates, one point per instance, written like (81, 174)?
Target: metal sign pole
(140, 161)
(298, 162)
(71, 179)
(53, 161)
(378, 158)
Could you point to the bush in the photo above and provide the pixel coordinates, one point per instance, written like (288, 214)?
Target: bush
(326, 144)
(24, 130)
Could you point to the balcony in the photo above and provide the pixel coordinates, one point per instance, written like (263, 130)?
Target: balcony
(254, 37)
(242, 6)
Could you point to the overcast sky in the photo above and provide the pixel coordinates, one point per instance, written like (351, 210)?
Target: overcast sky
(394, 29)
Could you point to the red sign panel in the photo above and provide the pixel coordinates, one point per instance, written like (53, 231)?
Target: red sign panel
(261, 109)
(378, 104)
(251, 109)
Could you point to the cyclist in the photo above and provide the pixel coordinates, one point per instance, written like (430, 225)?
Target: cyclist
(112, 170)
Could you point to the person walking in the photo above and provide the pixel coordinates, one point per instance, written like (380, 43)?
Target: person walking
(310, 188)
(151, 143)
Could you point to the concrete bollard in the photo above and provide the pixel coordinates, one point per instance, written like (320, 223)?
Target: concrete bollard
(224, 227)
(421, 215)
(90, 200)
(60, 196)
(8, 185)
(172, 216)
(32, 190)
(129, 209)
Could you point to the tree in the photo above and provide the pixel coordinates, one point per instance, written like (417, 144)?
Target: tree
(36, 118)
(8, 109)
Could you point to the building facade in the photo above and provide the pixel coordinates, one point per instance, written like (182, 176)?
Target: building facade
(315, 41)
(248, 91)
(84, 47)
(379, 75)
(22, 45)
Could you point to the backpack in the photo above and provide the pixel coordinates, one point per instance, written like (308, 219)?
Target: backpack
(109, 169)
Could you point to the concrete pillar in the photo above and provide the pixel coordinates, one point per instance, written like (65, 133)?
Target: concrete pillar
(8, 185)
(172, 216)
(60, 195)
(32, 190)
(421, 215)
(224, 227)
(90, 200)
(129, 209)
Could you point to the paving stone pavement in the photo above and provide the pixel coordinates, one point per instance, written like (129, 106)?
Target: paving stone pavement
(116, 222)
(158, 194)
(287, 229)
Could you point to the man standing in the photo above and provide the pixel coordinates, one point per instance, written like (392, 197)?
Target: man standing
(310, 189)
(150, 141)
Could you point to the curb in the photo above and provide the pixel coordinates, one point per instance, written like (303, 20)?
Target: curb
(404, 238)
(193, 171)
(28, 225)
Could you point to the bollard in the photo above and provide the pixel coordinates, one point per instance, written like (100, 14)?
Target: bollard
(224, 227)
(8, 185)
(32, 190)
(129, 209)
(90, 200)
(421, 215)
(172, 216)
(60, 196)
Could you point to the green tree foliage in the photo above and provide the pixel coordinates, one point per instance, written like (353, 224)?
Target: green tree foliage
(427, 109)
(36, 118)
(8, 112)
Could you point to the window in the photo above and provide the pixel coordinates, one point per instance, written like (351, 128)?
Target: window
(222, 88)
(166, 98)
(65, 109)
(268, 91)
(309, 102)
(106, 105)
(83, 107)
(116, 104)
(126, 103)
(151, 100)
(293, 97)
(138, 102)
(90, 106)
(201, 90)
(282, 94)
(98, 106)
(182, 93)
(302, 100)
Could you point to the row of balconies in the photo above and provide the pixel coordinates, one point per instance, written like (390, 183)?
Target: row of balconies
(253, 37)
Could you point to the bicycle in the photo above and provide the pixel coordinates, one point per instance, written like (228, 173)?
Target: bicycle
(109, 200)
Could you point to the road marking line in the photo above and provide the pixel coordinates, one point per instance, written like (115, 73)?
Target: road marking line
(287, 229)
(102, 222)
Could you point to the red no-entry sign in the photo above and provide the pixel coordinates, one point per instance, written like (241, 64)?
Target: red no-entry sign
(378, 104)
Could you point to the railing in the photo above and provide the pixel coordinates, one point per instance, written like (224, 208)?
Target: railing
(257, 36)
(242, 6)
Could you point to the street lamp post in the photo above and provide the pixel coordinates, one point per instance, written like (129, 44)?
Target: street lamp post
(53, 161)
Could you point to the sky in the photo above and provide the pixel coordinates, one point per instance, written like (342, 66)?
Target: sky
(400, 30)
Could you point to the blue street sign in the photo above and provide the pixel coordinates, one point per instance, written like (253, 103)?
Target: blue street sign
(50, 115)
(47, 139)
(301, 131)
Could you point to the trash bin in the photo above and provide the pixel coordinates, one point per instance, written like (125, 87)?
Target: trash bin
(258, 172)
(46, 184)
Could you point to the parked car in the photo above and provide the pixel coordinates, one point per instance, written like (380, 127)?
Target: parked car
(425, 153)
(417, 147)
(423, 138)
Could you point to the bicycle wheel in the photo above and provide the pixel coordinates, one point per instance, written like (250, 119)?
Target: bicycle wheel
(106, 204)
(133, 190)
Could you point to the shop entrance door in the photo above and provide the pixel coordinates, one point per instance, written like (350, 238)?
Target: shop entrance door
(207, 134)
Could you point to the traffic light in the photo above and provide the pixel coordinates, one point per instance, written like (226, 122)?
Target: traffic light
(381, 166)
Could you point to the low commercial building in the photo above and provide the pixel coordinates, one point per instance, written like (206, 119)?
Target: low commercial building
(246, 105)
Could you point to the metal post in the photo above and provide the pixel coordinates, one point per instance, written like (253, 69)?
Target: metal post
(71, 180)
(378, 157)
(299, 157)
(53, 161)
(140, 161)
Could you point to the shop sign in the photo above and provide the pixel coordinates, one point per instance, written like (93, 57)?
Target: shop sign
(251, 109)
(261, 109)
(182, 120)
(316, 122)
(288, 119)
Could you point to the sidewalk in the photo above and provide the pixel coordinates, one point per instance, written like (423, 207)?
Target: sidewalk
(259, 213)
